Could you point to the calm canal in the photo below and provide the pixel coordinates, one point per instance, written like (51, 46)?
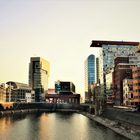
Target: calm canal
(54, 126)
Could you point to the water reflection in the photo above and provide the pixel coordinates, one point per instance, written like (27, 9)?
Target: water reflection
(54, 126)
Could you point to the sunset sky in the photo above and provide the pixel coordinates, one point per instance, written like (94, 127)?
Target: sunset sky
(61, 31)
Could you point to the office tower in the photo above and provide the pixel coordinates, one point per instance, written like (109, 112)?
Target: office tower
(39, 71)
(90, 77)
(108, 52)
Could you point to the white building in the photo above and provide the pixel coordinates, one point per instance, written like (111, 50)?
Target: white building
(127, 91)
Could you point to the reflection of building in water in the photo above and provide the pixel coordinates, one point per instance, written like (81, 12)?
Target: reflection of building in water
(5, 123)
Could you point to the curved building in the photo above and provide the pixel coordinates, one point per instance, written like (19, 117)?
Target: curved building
(90, 77)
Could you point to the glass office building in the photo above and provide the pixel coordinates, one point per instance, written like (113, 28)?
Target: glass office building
(110, 52)
(90, 76)
(39, 71)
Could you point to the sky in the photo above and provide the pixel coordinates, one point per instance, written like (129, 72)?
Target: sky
(61, 32)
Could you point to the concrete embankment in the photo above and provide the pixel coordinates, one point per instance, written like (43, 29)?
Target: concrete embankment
(27, 111)
(122, 115)
(43, 107)
(116, 127)
(16, 112)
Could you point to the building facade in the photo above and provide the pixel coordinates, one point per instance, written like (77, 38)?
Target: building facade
(127, 92)
(39, 71)
(3, 93)
(90, 76)
(109, 83)
(64, 87)
(121, 71)
(19, 92)
(97, 71)
(136, 86)
(109, 51)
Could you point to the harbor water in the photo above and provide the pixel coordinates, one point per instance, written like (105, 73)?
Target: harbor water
(54, 126)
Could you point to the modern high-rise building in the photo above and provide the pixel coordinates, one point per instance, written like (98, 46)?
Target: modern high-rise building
(39, 71)
(90, 76)
(108, 52)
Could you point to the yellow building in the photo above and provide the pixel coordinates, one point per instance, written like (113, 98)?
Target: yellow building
(39, 71)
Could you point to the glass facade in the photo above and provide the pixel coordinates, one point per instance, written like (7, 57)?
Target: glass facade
(90, 75)
(38, 76)
(91, 69)
(107, 55)
(110, 52)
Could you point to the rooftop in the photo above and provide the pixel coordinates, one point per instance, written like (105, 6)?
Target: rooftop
(100, 43)
(18, 85)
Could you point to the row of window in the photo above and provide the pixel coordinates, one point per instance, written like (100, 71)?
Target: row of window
(137, 71)
(136, 97)
(137, 77)
(137, 90)
(136, 84)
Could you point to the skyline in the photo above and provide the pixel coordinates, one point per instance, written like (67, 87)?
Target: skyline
(61, 32)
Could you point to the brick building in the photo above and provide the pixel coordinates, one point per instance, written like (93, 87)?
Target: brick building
(122, 70)
(136, 86)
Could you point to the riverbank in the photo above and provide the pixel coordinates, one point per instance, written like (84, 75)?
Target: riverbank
(124, 128)
(128, 132)
(27, 111)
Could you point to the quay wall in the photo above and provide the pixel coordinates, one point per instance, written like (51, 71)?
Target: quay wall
(42, 107)
(122, 115)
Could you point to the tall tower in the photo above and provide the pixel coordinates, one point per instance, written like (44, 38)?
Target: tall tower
(39, 71)
(89, 76)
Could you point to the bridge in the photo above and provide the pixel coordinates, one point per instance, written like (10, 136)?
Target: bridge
(6, 105)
